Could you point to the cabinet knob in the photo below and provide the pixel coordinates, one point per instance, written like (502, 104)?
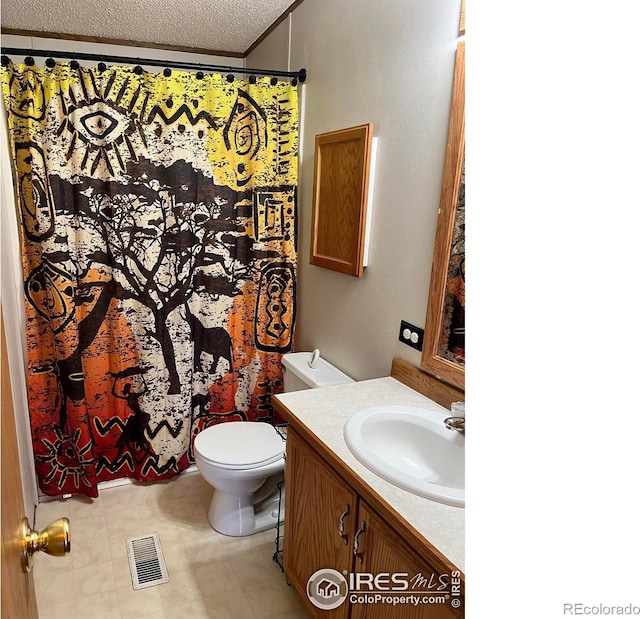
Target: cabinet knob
(356, 541)
(341, 532)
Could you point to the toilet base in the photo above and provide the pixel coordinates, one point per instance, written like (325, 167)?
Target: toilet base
(238, 516)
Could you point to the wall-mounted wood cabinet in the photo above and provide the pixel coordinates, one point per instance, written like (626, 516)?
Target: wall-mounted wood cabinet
(340, 199)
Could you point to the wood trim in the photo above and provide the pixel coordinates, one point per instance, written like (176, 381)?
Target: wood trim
(107, 41)
(424, 383)
(413, 537)
(440, 367)
(18, 597)
(272, 27)
(462, 19)
(340, 199)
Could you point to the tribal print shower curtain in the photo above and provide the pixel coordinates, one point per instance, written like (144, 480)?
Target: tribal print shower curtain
(158, 224)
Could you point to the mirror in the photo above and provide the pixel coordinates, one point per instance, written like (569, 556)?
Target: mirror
(443, 353)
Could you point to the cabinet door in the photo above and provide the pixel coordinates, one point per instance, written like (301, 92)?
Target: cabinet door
(381, 552)
(320, 511)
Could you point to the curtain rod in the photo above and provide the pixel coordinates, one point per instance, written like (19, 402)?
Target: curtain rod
(300, 75)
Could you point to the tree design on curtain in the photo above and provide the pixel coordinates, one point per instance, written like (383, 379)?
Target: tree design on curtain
(158, 221)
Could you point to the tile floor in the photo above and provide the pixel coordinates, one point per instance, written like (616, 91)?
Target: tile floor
(212, 576)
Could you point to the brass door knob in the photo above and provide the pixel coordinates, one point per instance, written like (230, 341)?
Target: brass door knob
(54, 540)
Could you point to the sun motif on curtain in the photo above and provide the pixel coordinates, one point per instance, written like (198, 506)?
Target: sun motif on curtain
(158, 224)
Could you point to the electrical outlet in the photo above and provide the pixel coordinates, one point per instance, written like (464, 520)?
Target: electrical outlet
(411, 335)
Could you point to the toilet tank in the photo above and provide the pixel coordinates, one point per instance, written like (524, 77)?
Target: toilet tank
(298, 375)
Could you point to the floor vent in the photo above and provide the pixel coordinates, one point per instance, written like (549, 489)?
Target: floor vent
(146, 562)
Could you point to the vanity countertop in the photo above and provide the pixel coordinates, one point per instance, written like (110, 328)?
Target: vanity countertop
(323, 413)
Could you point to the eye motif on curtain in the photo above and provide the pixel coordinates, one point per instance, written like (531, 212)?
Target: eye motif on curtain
(159, 252)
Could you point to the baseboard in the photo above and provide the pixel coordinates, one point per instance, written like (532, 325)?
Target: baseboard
(105, 485)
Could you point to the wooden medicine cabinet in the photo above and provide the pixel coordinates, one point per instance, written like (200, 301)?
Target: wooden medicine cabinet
(340, 196)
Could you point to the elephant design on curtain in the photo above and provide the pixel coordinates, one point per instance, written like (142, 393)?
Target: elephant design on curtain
(158, 226)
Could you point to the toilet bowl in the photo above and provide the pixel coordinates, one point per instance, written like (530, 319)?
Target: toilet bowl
(244, 460)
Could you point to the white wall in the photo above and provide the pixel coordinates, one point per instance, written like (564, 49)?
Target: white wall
(389, 62)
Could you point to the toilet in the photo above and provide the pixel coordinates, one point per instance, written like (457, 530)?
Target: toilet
(244, 460)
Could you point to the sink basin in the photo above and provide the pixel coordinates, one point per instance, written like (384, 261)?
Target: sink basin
(411, 448)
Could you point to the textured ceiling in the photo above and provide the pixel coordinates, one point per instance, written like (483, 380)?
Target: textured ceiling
(222, 25)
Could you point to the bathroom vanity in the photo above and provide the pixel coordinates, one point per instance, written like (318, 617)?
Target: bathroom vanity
(341, 516)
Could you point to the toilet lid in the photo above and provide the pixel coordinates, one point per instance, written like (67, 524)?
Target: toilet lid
(240, 444)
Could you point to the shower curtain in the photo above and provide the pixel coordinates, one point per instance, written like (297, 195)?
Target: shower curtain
(158, 227)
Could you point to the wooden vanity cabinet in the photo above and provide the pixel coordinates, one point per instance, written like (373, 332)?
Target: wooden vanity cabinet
(323, 515)
(382, 550)
(316, 502)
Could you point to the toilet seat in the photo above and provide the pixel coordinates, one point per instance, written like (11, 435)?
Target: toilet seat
(240, 445)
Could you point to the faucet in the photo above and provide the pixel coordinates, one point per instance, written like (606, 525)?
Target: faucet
(456, 421)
